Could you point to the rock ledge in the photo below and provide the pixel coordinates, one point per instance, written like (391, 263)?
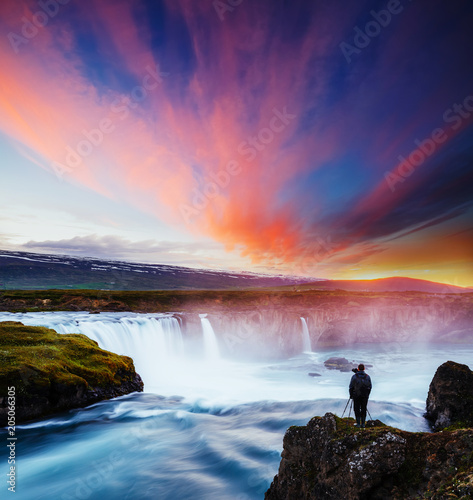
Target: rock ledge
(51, 372)
(330, 459)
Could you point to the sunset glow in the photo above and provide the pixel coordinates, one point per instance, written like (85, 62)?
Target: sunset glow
(258, 136)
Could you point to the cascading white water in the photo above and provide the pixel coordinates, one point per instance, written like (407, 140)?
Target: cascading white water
(196, 414)
(212, 352)
(153, 342)
(172, 365)
(306, 345)
(162, 336)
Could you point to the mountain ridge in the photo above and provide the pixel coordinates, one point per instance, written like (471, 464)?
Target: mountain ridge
(390, 284)
(32, 271)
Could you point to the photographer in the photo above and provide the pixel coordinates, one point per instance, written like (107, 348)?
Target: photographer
(360, 388)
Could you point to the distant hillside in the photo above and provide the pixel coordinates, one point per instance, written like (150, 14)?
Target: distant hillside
(30, 271)
(385, 285)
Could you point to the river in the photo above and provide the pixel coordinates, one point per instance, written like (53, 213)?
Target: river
(206, 427)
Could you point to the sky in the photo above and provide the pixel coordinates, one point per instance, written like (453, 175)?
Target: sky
(328, 139)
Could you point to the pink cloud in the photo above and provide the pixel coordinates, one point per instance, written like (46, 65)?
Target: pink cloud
(163, 152)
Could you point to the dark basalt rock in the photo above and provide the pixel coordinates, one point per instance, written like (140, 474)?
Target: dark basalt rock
(450, 397)
(329, 459)
(51, 372)
(341, 364)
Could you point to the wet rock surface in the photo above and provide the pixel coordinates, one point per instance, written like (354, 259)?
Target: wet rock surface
(331, 459)
(450, 397)
(341, 364)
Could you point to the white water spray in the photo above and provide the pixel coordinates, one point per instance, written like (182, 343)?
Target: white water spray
(171, 365)
(154, 343)
(212, 352)
(306, 345)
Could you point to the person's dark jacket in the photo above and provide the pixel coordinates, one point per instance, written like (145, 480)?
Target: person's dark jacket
(360, 385)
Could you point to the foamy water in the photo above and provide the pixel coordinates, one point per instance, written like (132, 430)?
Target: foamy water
(206, 427)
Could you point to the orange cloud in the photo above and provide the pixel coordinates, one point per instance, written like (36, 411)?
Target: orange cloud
(210, 148)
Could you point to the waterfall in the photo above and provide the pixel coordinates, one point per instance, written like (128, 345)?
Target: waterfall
(306, 346)
(160, 336)
(153, 342)
(212, 352)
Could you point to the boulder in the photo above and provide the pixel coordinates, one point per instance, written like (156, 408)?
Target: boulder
(43, 372)
(341, 364)
(330, 459)
(450, 397)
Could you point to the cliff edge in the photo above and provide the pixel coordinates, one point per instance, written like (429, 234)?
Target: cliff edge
(329, 459)
(43, 372)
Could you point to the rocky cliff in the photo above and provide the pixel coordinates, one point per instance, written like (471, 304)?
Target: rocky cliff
(450, 397)
(272, 325)
(43, 372)
(329, 459)
(268, 323)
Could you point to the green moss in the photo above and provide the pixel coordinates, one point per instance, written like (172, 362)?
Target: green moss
(458, 486)
(463, 424)
(296, 427)
(346, 426)
(40, 357)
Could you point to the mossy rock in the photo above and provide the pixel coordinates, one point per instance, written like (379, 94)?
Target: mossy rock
(450, 399)
(52, 372)
(330, 458)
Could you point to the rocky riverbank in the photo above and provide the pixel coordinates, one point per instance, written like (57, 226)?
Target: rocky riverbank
(50, 372)
(330, 459)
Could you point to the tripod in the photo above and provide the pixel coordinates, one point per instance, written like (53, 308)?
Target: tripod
(346, 406)
(351, 406)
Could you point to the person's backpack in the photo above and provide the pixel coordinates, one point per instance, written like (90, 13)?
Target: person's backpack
(362, 385)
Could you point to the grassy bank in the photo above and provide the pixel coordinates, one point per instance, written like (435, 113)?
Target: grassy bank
(38, 356)
(181, 300)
